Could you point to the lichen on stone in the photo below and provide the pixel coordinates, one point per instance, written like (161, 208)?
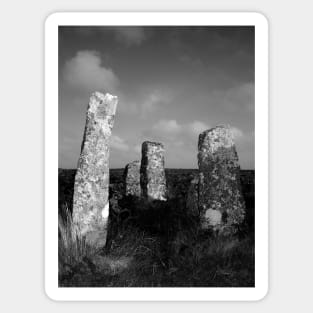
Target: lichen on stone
(152, 171)
(91, 188)
(132, 179)
(192, 202)
(219, 179)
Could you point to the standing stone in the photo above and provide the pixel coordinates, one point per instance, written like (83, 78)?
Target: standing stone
(221, 203)
(192, 202)
(152, 172)
(132, 179)
(91, 189)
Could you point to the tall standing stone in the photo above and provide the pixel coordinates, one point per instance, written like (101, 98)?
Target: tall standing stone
(152, 172)
(221, 204)
(91, 189)
(132, 179)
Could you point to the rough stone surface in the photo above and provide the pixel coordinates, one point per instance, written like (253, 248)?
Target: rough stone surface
(152, 172)
(91, 189)
(132, 179)
(192, 202)
(221, 203)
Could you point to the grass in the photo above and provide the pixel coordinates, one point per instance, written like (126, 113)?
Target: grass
(155, 245)
(73, 249)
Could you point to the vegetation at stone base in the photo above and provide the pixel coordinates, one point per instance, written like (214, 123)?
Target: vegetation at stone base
(156, 245)
(72, 248)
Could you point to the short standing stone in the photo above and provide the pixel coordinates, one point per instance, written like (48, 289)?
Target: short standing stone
(152, 172)
(91, 189)
(221, 203)
(132, 179)
(192, 202)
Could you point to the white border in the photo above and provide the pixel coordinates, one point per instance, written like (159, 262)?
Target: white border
(51, 157)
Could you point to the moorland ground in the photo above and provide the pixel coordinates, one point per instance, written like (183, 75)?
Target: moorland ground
(156, 244)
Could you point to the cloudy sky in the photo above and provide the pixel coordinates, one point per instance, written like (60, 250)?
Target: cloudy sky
(172, 83)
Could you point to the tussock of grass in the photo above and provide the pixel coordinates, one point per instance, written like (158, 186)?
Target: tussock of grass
(72, 247)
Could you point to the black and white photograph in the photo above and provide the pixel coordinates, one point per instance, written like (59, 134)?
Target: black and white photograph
(156, 156)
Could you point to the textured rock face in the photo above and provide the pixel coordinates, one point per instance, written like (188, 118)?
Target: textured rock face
(193, 197)
(91, 189)
(132, 179)
(152, 172)
(221, 202)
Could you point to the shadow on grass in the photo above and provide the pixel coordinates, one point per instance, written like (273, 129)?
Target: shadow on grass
(156, 244)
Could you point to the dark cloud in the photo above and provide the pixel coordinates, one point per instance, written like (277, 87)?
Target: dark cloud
(130, 35)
